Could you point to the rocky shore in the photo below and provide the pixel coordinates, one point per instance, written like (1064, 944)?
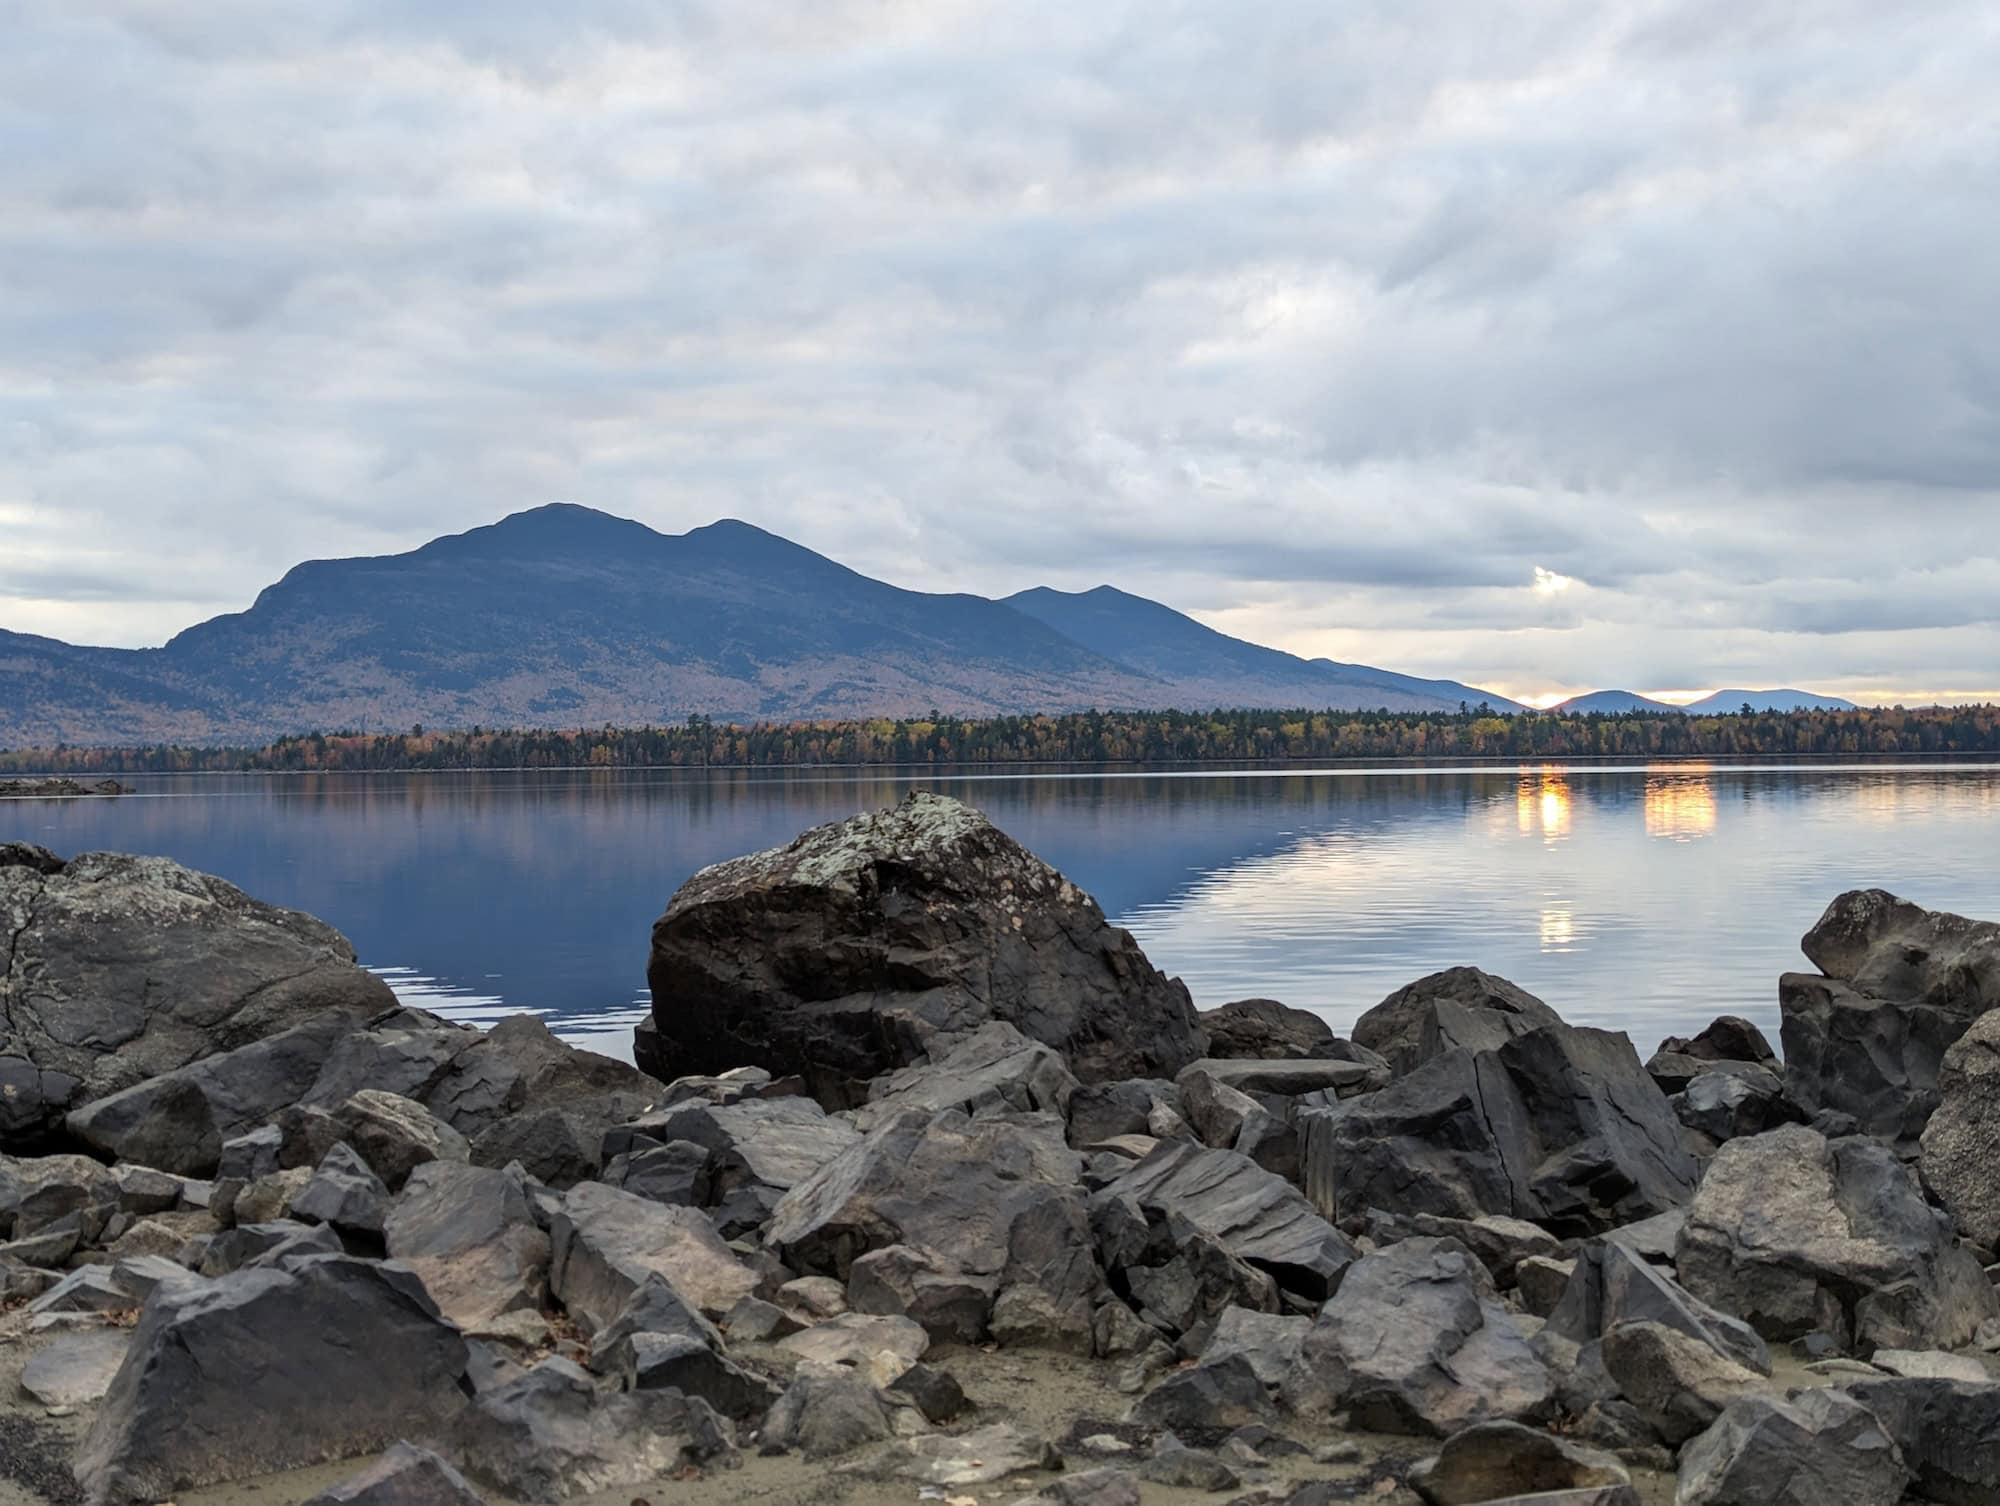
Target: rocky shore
(43, 789)
(933, 1187)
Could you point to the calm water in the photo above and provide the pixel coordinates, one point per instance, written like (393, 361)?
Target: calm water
(1648, 900)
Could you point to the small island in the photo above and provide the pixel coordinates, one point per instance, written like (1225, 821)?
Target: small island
(57, 788)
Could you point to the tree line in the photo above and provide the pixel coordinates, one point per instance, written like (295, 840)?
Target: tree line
(1089, 737)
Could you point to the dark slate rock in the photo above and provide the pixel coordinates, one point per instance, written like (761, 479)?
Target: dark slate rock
(1612, 1284)
(1461, 1008)
(826, 1413)
(674, 1173)
(1948, 1431)
(405, 1476)
(345, 1193)
(1727, 1038)
(1496, 1461)
(1961, 1143)
(1265, 1030)
(1821, 1446)
(1206, 1397)
(1100, 1111)
(470, 1235)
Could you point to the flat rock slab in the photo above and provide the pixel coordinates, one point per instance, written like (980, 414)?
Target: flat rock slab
(978, 1457)
(1934, 1364)
(881, 1348)
(75, 1369)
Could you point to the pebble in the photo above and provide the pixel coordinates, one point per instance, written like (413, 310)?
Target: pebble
(1346, 1451)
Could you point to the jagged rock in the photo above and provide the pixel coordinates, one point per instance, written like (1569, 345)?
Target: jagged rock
(1258, 1218)
(605, 1243)
(1961, 1143)
(142, 1189)
(1655, 1240)
(756, 1142)
(1090, 1487)
(1459, 1008)
(1187, 1294)
(934, 1392)
(995, 1069)
(520, 1065)
(1500, 1242)
(1490, 1461)
(922, 919)
(1612, 1284)
(142, 1275)
(825, 1413)
(1269, 1341)
(1542, 1281)
(1728, 1105)
(75, 1369)
(656, 1309)
(1680, 1383)
(880, 1348)
(87, 1289)
(675, 1173)
(1265, 1030)
(1173, 1463)
(902, 1281)
(267, 1370)
(1793, 1232)
(38, 1193)
(269, 1199)
(661, 1362)
(116, 969)
(1933, 1364)
(1228, 1119)
(1222, 1394)
(1948, 1431)
(405, 1476)
(343, 1192)
(1415, 1341)
(813, 1298)
(1555, 1124)
(1821, 1446)
(978, 1456)
(1106, 1111)
(1726, 1038)
(549, 1434)
(1355, 1070)
(395, 1135)
(470, 1235)
(755, 1321)
(262, 1243)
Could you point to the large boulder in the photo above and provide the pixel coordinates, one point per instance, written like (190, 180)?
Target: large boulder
(1793, 1232)
(1265, 1030)
(1459, 1008)
(470, 1235)
(1553, 1123)
(326, 1357)
(842, 955)
(1949, 1432)
(1898, 985)
(605, 1244)
(1416, 1341)
(1820, 1446)
(115, 969)
(1612, 1284)
(1961, 1144)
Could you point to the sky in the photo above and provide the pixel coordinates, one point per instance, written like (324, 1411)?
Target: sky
(1545, 346)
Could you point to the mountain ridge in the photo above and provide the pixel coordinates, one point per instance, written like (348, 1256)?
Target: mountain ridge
(567, 616)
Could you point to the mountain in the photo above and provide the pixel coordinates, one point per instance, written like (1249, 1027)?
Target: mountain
(1214, 669)
(1726, 701)
(1611, 703)
(563, 616)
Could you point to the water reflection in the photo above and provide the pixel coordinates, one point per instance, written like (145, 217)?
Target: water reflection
(1680, 806)
(1542, 803)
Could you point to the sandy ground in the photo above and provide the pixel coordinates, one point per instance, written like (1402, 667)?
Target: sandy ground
(1062, 1399)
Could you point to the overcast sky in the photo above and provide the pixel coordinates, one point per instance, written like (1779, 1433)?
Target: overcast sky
(1547, 346)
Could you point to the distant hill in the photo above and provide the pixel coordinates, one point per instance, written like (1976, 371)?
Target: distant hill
(563, 616)
(1721, 703)
(1214, 669)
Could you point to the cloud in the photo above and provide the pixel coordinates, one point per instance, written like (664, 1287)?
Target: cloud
(1340, 328)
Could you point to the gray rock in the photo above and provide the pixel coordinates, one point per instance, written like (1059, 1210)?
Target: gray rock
(1542, 1282)
(1460, 1008)
(1221, 1395)
(1656, 1239)
(1174, 1464)
(606, 1243)
(978, 1456)
(926, 913)
(1793, 1233)
(657, 1309)
(754, 1142)
(675, 1173)
(1269, 1341)
(1727, 1038)
(470, 1235)
(934, 1392)
(343, 1192)
(880, 1348)
(1821, 1446)
(995, 1069)
(1265, 1030)
(1258, 1218)
(662, 1362)
(1727, 1105)
(1107, 1111)
(1088, 1487)
(549, 1434)
(903, 1281)
(826, 1413)
(39, 1194)
(268, 1370)
(1933, 1364)
(88, 1289)
(1500, 1242)
(405, 1476)
(1492, 1461)
(1948, 1431)
(262, 1243)
(75, 1369)
(1611, 1285)
(1961, 1143)
(1188, 1292)
(1415, 1341)
(395, 1135)
(118, 969)
(1228, 1119)
(1677, 1382)
(1555, 1124)
(143, 1190)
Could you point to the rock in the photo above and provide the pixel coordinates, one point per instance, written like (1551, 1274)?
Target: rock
(1258, 1218)
(1089, 1487)
(1542, 1282)
(825, 1413)
(1948, 1432)
(76, 1368)
(1415, 1341)
(812, 1297)
(880, 1348)
(1460, 1008)
(934, 1392)
(1727, 1038)
(605, 1243)
(1728, 1105)
(909, 922)
(1933, 1364)
(269, 1199)
(395, 1135)
(1219, 1395)
(1612, 1285)
(656, 1309)
(1961, 1143)
(343, 1192)
(675, 1173)
(142, 1275)
(43, 1193)
(1228, 1119)
(1794, 1233)
(978, 1456)
(1671, 1072)
(118, 969)
(142, 1190)
(1269, 1341)
(1107, 1111)
(1892, 949)
(664, 1362)
(1265, 1030)
(755, 1321)
(266, 1243)
(995, 1069)
(470, 1235)
(1555, 1124)
(1655, 1240)
(756, 1142)
(1173, 1463)
(1490, 1461)
(1679, 1383)
(1187, 1293)
(902, 1281)
(549, 1434)
(1821, 1446)
(268, 1370)
(405, 1476)
(1355, 1070)
(1501, 1243)
(88, 1289)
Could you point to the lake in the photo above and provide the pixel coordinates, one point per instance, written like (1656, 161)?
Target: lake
(1643, 899)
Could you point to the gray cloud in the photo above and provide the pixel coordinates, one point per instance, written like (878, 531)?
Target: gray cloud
(1334, 328)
